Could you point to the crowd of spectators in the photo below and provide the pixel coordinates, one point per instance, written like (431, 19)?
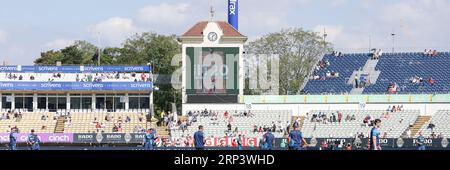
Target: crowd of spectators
(416, 80)
(430, 53)
(376, 53)
(14, 114)
(85, 77)
(321, 65)
(334, 118)
(337, 54)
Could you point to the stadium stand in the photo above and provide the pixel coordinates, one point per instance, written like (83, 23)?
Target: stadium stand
(75, 77)
(87, 122)
(395, 68)
(41, 122)
(216, 124)
(399, 68)
(345, 65)
(394, 125)
(441, 122)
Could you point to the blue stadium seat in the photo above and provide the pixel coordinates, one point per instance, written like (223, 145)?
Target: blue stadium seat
(395, 67)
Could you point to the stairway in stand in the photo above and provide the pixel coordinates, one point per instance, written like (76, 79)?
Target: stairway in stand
(59, 128)
(418, 124)
(162, 131)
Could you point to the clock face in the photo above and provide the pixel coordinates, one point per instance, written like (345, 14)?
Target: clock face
(212, 36)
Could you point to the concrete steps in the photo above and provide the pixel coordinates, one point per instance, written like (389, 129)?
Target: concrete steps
(59, 128)
(418, 124)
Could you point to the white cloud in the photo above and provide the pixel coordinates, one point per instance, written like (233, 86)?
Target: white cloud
(164, 13)
(113, 31)
(3, 36)
(58, 44)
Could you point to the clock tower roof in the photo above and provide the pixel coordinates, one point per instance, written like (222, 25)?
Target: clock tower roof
(199, 27)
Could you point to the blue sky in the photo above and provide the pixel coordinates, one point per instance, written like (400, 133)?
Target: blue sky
(29, 27)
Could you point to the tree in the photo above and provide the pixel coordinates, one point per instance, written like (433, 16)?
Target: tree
(81, 52)
(88, 50)
(49, 58)
(72, 55)
(157, 50)
(109, 55)
(298, 52)
(140, 49)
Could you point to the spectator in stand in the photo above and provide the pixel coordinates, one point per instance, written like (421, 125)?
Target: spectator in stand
(255, 128)
(142, 77)
(97, 126)
(408, 133)
(430, 53)
(434, 53)
(356, 81)
(431, 81)
(347, 118)
(274, 127)
(225, 114)
(433, 135)
(119, 128)
(380, 53)
(339, 117)
(324, 145)
(431, 126)
(229, 127)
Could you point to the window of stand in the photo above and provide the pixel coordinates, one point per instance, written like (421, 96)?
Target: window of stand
(80, 101)
(110, 102)
(23, 102)
(6, 101)
(139, 101)
(52, 102)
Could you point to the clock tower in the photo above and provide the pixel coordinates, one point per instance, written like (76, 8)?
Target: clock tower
(213, 65)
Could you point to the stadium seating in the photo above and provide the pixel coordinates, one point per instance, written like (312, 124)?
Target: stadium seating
(345, 66)
(346, 129)
(83, 122)
(396, 68)
(72, 77)
(244, 124)
(441, 120)
(399, 68)
(30, 121)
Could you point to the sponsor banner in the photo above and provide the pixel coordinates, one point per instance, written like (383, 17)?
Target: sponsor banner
(86, 138)
(220, 141)
(429, 142)
(76, 85)
(233, 13)
(356, 143)
(74, 69)
(138, 138)
(109, 138)
(113, 138)
(44, 137)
